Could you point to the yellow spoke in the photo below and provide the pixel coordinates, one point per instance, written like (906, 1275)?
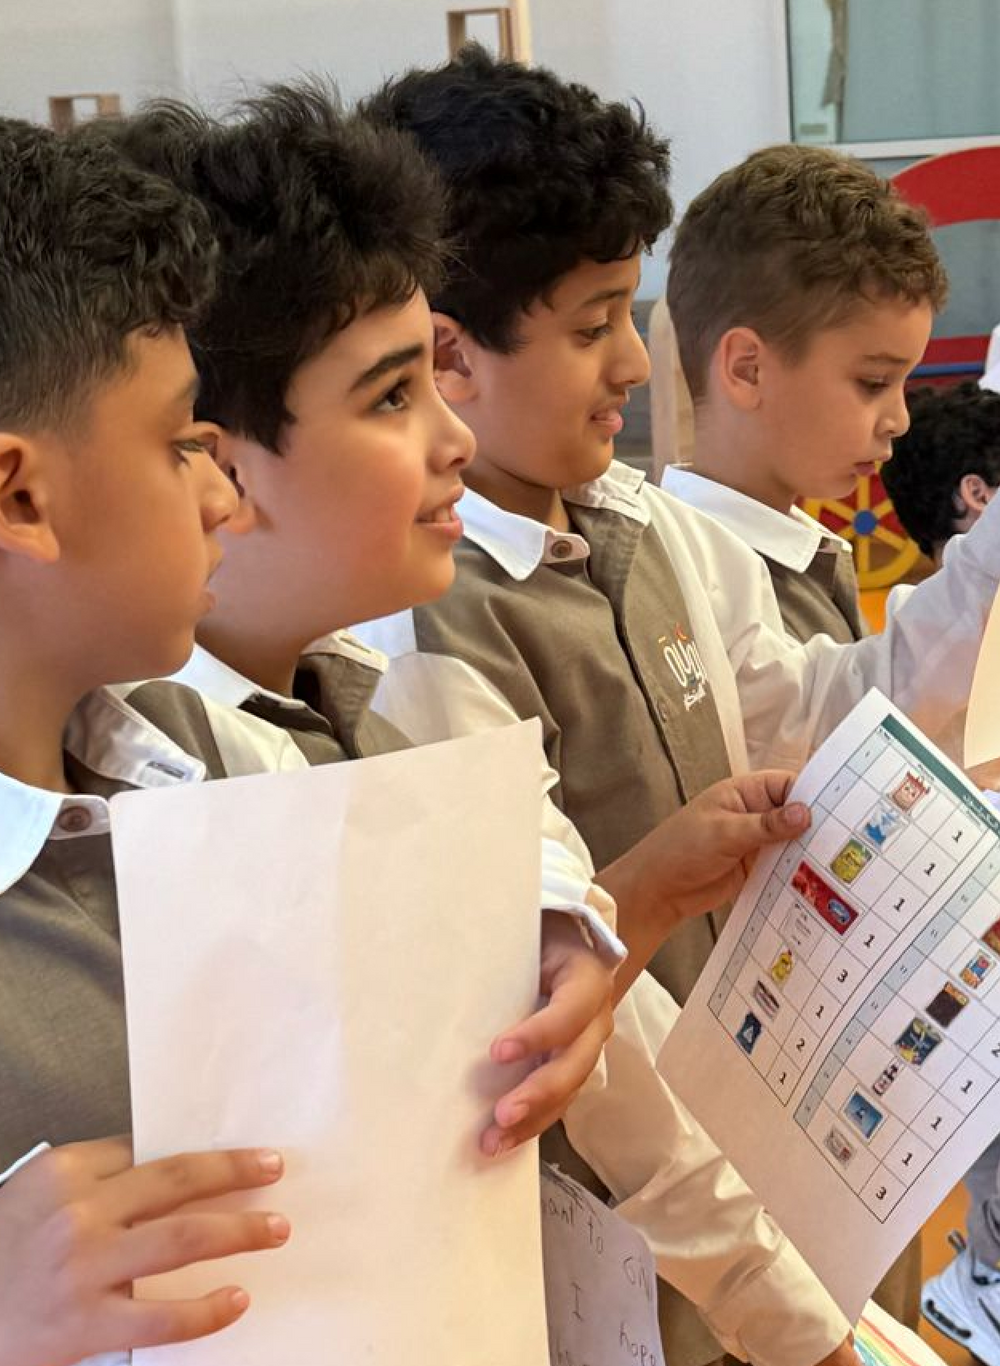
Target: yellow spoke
(887, 537)
(839, 509)
(848, 533)
(864, 554)
(863, 495)
(883, 508)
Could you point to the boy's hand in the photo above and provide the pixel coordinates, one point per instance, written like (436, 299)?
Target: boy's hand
(78, 1224)
(697, 859)
(568, 1032)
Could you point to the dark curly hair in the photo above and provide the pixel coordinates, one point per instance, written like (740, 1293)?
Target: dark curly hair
(319, 216)
(91, 250)
(788, 242)
(541, 175)
(953, 432)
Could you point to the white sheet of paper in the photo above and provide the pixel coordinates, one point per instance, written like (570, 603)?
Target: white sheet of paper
(842, 1046)
(600, 1281)
(982, 719)
(318, 961)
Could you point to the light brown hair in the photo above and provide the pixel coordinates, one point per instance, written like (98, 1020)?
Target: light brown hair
(791, 242)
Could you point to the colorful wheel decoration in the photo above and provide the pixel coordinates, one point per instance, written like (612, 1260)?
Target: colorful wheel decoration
(883, 553)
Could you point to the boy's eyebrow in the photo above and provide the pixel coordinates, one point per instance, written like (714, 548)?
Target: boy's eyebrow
(392, 360)
(885, 358)
(605, 296)
(189, 393)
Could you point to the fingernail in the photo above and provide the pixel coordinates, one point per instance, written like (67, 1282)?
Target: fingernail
(278, 1227)
(271, 1162)
(239, 1299)
(797, 814)
(511, 1050)
(504, 1145)
(514, 1114)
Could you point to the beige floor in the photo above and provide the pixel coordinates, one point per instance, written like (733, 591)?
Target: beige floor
(937, 1252)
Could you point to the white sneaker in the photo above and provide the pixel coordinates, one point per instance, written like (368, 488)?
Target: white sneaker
(963, 1303)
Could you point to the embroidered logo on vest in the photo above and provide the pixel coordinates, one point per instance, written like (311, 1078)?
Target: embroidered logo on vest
(684, 661)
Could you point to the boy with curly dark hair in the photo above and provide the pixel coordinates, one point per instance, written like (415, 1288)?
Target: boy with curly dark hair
(109, 507)
(645, 636)
(946, 468)
(801, 286)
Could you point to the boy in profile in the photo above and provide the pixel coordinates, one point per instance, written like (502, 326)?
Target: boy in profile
(109, 508)
(645, 636)
(801, 288)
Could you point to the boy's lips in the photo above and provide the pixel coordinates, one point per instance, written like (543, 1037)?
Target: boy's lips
(609, 418)
(443, 517)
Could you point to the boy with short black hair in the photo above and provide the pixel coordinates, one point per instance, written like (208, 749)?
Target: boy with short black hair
(333, 489)
(646, 636)
(800, 287)
(946, 468)
(100, 461)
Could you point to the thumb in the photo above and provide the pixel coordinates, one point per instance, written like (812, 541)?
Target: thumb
(785, 822)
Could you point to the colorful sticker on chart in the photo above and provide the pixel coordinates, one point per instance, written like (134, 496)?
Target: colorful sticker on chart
(850, 861)
(907, 793)
(917, 1042)
(781, 968)
(947, 1004)
(976, 970)
(865, 1116)
(837, 1143)
(827, 904)
(884, 822)
(749, 1032)
(885, 1078)
(992, 937)
(766, 999)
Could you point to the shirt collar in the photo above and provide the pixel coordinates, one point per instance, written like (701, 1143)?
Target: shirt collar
(520, 544)
(209, 675)
(792, 540)
(113, 742)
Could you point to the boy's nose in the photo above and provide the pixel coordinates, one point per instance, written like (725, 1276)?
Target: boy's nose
(219, 499)
(455, 444)
(632, 361)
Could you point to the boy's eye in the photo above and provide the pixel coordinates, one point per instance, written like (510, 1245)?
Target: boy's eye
(395, 399)
(593, 334)
(874, 386)
(195, 445)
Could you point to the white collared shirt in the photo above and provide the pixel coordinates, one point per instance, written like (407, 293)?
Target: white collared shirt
(791, 538)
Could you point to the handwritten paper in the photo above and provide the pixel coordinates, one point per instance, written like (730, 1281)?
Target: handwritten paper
(318, 961)
(842, 1045)
(600, 1281)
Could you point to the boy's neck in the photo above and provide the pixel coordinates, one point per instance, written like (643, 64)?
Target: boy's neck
(267, 663)
(35, 710)
(725, 458)
(516, 495)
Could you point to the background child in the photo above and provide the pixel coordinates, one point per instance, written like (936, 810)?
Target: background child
(945, 469)
(800, 288)
(347, 447)
(100, 462)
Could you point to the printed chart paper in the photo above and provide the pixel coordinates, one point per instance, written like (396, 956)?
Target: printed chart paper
(843, 1043)
(600, 1281)
(318, 961)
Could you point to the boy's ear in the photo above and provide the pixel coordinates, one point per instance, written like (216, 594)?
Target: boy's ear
(453, 361)
(25, 514)
(738, 356)
(974, 492)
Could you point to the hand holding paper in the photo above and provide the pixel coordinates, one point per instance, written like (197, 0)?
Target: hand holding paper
(77, 1223)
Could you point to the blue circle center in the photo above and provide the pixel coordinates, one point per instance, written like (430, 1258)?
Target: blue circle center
(865, 522)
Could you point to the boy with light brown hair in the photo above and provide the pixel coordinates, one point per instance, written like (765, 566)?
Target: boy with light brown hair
(801, 287)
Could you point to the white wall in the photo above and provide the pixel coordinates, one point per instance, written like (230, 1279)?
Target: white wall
(710, 73)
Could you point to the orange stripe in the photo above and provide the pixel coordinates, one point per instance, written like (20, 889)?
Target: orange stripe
(876, 1333)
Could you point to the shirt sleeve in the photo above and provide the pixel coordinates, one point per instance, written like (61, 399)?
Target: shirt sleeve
(709, 1234)
(434, 697)
(792, 696)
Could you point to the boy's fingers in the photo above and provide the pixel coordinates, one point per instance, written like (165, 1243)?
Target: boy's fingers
(160, 1187)
(785, 822)
(582, 995)
(151, 1323)
(166, 1244)
(545, 1093)
(765, 789)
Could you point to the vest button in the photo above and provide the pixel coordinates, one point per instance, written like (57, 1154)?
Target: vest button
(74, 820)
(561, 549)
